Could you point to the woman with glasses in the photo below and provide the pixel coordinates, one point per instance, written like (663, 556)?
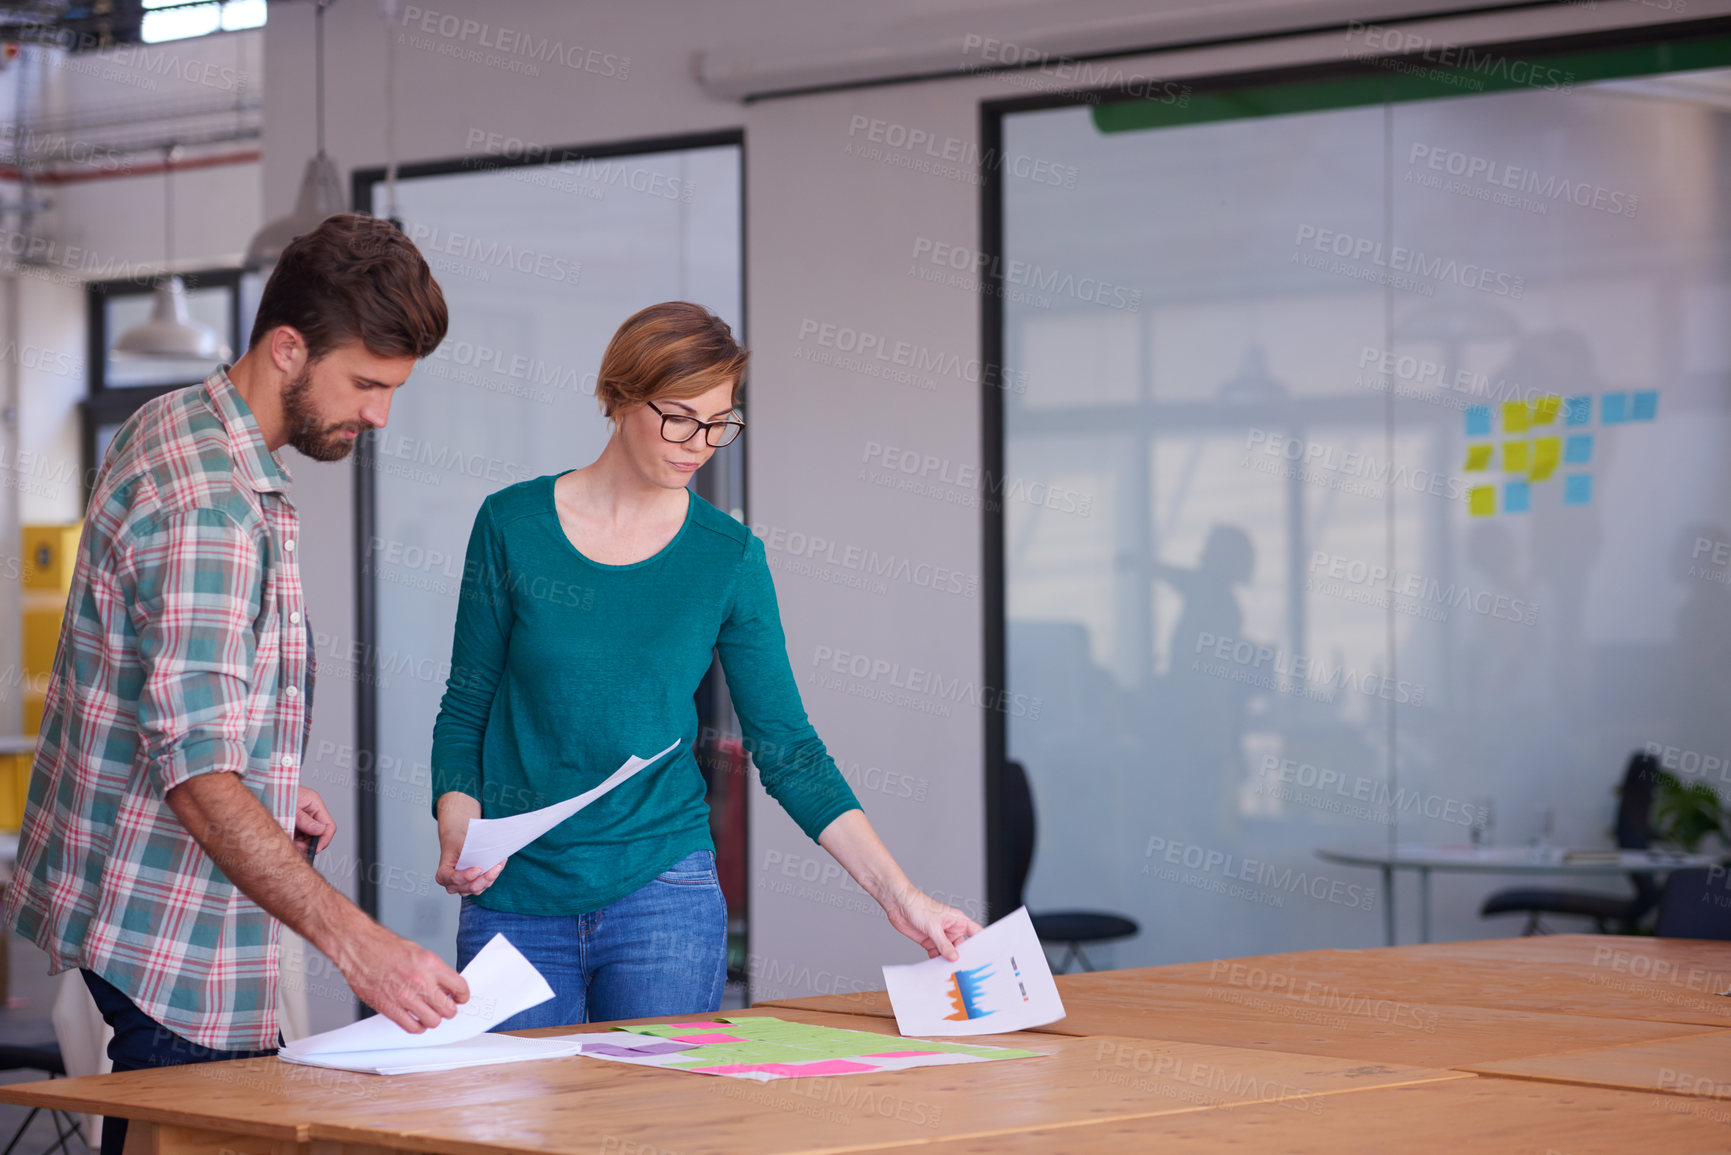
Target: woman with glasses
(592, 603)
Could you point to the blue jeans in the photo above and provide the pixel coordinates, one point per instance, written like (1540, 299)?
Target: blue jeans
(139, 1043)
(660, 950)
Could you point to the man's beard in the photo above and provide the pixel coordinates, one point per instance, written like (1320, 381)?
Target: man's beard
(306, 432)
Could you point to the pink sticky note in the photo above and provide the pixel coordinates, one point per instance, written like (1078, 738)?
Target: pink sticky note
(707, 1039)
(791, 1070)
(902, 1054)
(696, 1026)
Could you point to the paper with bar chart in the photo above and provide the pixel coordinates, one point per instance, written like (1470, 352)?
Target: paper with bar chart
(762, 1048)
(1000, 984)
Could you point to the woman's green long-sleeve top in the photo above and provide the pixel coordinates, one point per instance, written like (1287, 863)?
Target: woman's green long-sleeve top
(562, 668)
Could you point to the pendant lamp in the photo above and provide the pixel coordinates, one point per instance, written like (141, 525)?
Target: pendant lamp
(171, 331)
(321, 192)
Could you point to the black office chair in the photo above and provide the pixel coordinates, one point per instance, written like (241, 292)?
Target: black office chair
(1696, 903)
(1634, 832)
(41, 1058)
(1070, 927)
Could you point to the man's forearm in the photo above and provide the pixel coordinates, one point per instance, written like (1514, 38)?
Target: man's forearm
(260, 858)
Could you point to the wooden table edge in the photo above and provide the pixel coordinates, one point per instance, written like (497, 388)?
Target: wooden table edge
(41, 1093)
(357, 1140)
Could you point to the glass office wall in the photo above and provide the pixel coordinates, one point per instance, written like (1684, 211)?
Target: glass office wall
(539, 265)
(1398, 437)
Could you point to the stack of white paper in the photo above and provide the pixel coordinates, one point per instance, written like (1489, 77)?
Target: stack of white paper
(1001, 983)
(501, 983)
(490, 841)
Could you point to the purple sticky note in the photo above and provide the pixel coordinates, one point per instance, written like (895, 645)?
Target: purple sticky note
(619, 1052)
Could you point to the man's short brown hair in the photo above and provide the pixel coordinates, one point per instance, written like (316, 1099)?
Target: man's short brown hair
(354, 278)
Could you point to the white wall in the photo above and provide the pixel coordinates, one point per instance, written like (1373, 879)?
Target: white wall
(830, 236)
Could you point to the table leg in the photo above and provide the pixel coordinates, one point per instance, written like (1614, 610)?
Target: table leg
(1388, 902)
(1424, 904)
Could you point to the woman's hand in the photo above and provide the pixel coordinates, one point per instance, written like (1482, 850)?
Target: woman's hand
(931, 924)
(938, 928)
(455, 813)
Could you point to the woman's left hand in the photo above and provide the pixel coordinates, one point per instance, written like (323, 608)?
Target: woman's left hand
(931, 924)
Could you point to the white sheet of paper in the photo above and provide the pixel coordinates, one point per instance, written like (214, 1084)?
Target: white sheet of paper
(480, 1051)
(1002, 983)
(490, 841)
(501, 983)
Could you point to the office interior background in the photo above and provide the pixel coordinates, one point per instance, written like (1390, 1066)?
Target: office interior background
(1274, 426)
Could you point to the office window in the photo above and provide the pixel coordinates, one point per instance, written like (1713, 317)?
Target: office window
(1392, 427)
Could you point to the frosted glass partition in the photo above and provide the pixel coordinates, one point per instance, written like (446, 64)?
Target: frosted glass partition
(1408, 499)
(539, 265)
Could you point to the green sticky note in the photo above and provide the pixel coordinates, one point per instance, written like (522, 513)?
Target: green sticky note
(1482, 500)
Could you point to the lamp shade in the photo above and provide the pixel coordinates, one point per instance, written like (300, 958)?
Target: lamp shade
(171, 331)
(321, 196)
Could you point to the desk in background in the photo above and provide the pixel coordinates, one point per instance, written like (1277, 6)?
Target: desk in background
(1498, 860)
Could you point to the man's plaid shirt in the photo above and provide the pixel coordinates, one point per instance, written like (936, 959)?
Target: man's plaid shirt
(184, 651)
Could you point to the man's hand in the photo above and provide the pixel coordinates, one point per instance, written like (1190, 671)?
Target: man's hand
(314, 827)
(405, 982)
(456, 811)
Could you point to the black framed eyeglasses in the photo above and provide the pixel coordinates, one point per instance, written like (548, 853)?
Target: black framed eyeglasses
(678, 428)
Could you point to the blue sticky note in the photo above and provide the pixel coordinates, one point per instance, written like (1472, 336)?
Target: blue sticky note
(1577, 489)
(1578, 411)
(1614, 408)
(1478, 420)
(1515, 497)
(1578, 449)
(1644, 406)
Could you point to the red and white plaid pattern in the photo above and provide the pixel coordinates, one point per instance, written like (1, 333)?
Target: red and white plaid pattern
(184, 651)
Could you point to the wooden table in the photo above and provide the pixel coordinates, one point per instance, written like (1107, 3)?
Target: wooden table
(575, 1104)
(1333, 1057)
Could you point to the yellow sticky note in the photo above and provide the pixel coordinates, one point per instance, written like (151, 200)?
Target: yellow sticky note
(1545, 410)
(1482, 500)
(1547, 451)
(1479, 456)
(1515, 416)
(1515, 456)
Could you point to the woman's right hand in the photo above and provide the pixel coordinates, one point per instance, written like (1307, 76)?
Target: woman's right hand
(455, 813)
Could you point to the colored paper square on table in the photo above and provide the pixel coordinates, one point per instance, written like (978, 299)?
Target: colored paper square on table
(1614, 408)
(1515, 416)
(1478, 421)
(1644, 406)
(1479, 457)
(1482, 500)
(1545, 410)
(761, 1048)
(1579, 449)
(1547, 451)
(1515, 456)
(790, 1070)
(1578, 489)
(1517, 497)
(1578, 411)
